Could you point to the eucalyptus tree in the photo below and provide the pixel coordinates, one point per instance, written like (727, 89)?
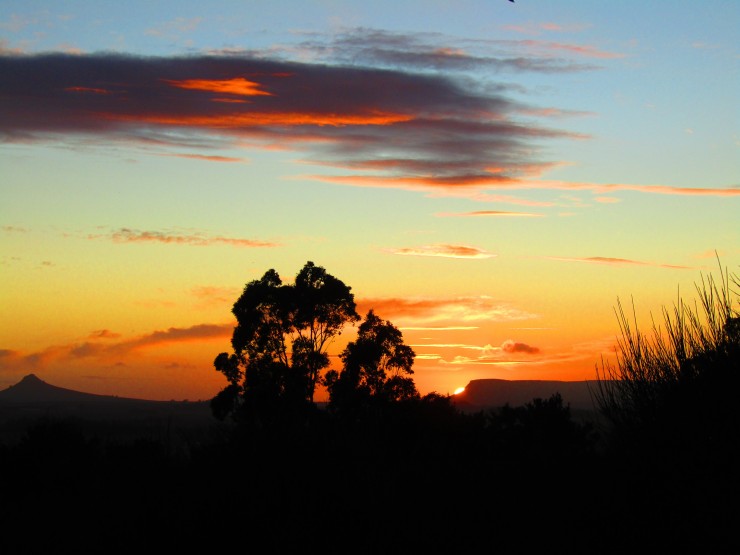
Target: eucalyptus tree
(377, 368)
(281, 339)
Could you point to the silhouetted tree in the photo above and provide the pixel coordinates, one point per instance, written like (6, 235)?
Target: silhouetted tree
(280, 341)
(376, 368)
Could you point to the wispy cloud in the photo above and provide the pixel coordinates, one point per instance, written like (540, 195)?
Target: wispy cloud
(206, 157)
(444, 251)
(450, 311)
(108, 347)
(126, 235)
(489, 214)
(210, 295)
(427, 51)
(618, 262)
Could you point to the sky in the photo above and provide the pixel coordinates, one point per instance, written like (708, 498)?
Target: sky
(491, 177)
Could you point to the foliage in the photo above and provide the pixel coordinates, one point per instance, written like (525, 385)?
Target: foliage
(376, 368)
(677, 386)
(542, 427)
(280, 342)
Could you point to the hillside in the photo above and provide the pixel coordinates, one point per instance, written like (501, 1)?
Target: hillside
(32, 399)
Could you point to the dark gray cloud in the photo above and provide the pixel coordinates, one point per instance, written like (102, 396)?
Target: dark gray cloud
(432, 129)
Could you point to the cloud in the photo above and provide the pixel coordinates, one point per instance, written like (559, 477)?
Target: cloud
(489, 214)
(206, 158)
(104, 334)
(611, 187)
(445, 251)
(586, 51)
(403, 127)
(618, 262)
(100, 346)
(453, 311)
(510, 346)
(126, 235)
(198, 332)
(434, 51)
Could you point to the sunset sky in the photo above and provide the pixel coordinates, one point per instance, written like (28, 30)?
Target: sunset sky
(489, 176)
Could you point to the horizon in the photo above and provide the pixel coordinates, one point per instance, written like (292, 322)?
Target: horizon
(491, 177)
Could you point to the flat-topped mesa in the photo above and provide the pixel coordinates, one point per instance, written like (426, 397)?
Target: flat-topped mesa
(497, 392)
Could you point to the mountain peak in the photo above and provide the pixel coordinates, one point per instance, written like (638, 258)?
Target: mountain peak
(31, 379)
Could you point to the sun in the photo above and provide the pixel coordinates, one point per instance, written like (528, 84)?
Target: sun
(459, 390)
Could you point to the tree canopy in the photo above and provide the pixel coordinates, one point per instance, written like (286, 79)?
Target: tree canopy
(280, 340)
(376, 367)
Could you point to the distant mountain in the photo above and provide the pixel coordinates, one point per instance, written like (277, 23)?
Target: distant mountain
(481, 394)
(32, 399)
(32, 389)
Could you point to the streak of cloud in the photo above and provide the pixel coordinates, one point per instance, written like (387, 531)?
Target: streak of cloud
(126, 235)
(445, 251)
(451, 310)
(618, 262)
(206, 157)
(101, 345)
(489, 214)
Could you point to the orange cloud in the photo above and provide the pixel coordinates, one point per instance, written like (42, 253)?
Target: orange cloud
(452, 311)
(200, 332)
(445, 251)
(489, 214)
(258, 119)
(238, 86)
(608, 187)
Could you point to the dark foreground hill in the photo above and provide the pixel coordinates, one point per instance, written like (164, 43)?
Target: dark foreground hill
(104, 474)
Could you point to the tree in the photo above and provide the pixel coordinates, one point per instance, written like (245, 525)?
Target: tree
(280, 341)
(376, 368)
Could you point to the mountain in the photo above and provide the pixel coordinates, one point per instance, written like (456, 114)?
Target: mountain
(488, 393)
(32, 389)
(32, 399)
